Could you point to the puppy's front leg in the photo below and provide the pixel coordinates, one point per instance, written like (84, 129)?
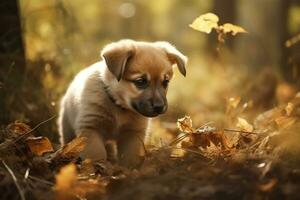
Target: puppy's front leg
(131, 150)
(94, 124)
(95, 148)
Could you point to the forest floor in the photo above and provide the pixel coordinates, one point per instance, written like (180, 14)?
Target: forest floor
(251, 161)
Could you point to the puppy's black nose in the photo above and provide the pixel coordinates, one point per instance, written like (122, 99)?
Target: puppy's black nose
(158, 108)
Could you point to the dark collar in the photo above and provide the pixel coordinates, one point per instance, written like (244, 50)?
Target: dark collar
(110, 96)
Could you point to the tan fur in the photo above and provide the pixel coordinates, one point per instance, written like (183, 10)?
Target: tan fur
(87, 108)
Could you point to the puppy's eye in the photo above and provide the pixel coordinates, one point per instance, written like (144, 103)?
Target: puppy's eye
(165, 83)
(141, 83)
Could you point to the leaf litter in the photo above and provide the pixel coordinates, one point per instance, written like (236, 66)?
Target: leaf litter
(245, 160)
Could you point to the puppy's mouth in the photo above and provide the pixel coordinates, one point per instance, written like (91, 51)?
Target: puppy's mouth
(149, 111)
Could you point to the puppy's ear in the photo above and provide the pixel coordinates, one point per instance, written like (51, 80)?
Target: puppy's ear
(116, 56)
(174, 56)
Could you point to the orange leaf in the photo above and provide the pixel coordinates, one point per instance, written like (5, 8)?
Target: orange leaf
(66, 178)
(39, 145)
(73, 148)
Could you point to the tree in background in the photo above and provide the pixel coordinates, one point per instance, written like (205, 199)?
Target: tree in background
(12, 60)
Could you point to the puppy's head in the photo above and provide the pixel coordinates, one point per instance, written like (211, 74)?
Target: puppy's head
(138, 74)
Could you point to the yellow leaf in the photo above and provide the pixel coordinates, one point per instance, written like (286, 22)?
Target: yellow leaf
(66, 178)
(185, 124)
(205, 23)
(244, 125)
(234, 29)
(39, 145)
(68, 186)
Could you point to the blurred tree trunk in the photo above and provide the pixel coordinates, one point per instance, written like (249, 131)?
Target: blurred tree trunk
(266, 22)
(12, 58)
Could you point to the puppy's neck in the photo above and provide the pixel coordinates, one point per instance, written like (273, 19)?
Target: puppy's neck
(109, 83)
(111, 96)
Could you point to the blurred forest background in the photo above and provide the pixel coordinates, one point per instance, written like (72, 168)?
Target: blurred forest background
(43, 44)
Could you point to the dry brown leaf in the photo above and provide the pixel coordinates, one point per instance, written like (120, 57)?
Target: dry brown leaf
(244, 125)
(205, 23)
(18, 128)
(233, 29)
(39, 145)
(204, 140)
(73, 148)
(185, 124)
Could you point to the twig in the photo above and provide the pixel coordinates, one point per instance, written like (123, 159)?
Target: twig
(36, 127)
(41, 180)
(4, 145)
(178, 139)
(15, 180)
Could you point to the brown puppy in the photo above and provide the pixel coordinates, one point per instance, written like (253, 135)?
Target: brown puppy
(114, 98)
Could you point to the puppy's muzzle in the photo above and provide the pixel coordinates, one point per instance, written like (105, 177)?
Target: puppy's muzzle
(150, 108)
(158, 107)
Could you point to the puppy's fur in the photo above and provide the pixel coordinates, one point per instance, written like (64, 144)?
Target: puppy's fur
(113, 99)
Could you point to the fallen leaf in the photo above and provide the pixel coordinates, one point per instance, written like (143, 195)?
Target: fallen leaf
(73, 148)
(66, 178)
(39, 145)
(18, 128)
(205, 23)
(244, 125)
(219, 138)
(231, 28)
(185, 124)
(70, 184)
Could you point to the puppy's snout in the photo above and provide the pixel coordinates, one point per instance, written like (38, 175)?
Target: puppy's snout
(158, 106)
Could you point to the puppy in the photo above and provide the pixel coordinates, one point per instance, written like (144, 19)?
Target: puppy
(114, 98)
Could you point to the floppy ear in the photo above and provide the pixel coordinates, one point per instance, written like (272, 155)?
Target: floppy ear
(116, 56)
(174, 56)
